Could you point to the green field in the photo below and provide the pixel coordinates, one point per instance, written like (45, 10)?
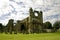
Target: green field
(41, 36)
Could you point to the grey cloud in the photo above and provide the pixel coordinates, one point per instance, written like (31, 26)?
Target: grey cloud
(52, 17)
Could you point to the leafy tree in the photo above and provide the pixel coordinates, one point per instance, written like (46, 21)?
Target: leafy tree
(1, 28)
(56, 25)
(47, 25)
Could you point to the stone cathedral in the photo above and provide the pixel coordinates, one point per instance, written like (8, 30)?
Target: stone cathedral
(32, 24)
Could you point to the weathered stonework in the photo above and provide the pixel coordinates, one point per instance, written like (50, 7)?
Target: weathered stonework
(9, 27)
(32, 24)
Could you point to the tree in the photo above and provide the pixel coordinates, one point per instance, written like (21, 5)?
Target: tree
(56, 25)
(47, 25)
(1, 28)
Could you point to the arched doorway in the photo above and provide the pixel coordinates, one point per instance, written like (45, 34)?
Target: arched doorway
(23, 28)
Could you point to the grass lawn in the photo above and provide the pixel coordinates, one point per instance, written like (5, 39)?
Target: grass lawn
(41, 36)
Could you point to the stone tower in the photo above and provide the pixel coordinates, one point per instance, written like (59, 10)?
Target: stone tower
(9, 26)
(36, 21)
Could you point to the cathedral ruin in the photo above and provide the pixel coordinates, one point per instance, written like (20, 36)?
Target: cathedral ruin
(32, 24)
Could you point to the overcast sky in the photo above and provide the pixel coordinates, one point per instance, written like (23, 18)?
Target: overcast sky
(19, 9)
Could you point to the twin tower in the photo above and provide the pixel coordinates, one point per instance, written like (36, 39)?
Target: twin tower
(32, 24)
